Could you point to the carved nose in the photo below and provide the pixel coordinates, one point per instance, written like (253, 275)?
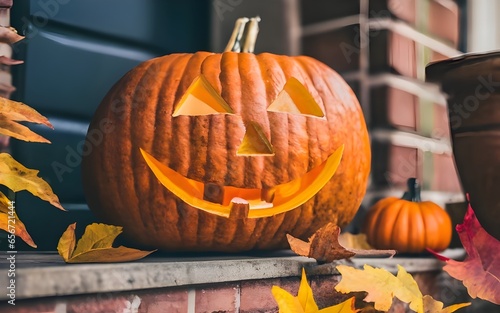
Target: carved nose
(255, 142)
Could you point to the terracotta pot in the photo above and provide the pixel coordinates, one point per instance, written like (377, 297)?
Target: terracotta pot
(472, 83)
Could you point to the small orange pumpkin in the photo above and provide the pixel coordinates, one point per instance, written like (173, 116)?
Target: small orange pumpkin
(408, 224)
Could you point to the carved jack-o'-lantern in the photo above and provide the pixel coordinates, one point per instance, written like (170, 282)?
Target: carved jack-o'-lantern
(227, 152)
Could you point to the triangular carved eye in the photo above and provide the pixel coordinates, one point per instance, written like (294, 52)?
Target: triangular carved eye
(296, 99)
(255, 142)
(201, 99)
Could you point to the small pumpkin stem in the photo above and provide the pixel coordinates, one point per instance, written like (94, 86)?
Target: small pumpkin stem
(244, 35)
(413, 193)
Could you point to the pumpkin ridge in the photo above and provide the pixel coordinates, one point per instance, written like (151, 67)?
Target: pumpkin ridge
(146, 212)
(311, 71)
(141, 173)
(163, 120)
(291, 218)
(248, 71)
(229, 228)
(312, 123)
(271, 229)
(111, 167)
(423, 239)
(315, 145)
(398, 210)
(311, 128)
(406, 213)
(388, 212)
(215, 170)
(231, 88)
(305, 219)
(182, 148)
(277, 121)
(247, 226)
(128, 152)
(197, 154)
(260, 225)
(427, 239)
(297, 165)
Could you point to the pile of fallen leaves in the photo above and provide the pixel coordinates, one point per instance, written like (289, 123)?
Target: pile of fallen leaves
(480, 272)
(381, 287)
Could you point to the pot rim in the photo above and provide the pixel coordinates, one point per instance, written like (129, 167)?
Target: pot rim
(435, 71)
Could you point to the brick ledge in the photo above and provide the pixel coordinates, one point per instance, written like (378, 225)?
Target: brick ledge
(46, 275)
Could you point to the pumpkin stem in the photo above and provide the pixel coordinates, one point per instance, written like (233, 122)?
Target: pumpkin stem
(413, 193)
(244, 35)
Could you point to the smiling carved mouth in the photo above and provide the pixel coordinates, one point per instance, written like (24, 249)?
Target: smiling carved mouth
(237, 202)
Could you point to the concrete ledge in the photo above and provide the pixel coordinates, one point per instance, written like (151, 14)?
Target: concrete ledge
(46, 275)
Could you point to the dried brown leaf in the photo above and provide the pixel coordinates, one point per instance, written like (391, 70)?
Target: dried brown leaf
(324, 246)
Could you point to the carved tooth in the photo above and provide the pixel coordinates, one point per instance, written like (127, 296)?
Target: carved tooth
(213, 193)
(239, 209)
(267, 194)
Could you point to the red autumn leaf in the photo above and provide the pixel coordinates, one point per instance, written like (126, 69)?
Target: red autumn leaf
(480, 271)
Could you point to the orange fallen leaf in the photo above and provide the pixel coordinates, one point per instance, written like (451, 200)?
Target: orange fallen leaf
(480, 271)
(95, 246)
(9, 221)
(381, 286)
(324, 246)
(304, 301)
(12, 112)
(15, 176)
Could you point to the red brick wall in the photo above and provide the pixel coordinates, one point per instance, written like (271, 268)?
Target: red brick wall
(237, 297)
(373, 46)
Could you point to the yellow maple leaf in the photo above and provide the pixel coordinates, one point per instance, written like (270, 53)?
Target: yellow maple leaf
(95, 246)
(12, 112)
(15, 176)
(382, 286)
(304, 301)
(10, 222)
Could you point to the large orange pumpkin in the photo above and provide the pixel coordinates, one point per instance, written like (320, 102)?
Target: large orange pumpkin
(218, 126)
(408, 224)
